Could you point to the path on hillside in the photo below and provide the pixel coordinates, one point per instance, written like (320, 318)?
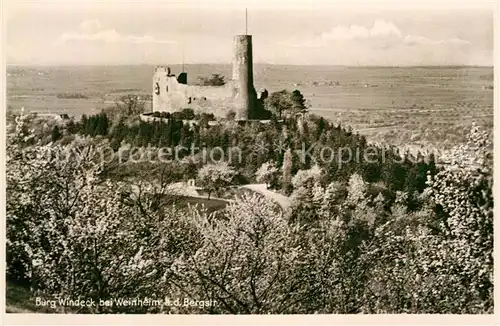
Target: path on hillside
(180, 188)
(280, 199)
(260, 188)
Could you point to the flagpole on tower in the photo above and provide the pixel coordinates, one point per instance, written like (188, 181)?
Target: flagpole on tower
(183, 46)
(246, 21)
(183, 58)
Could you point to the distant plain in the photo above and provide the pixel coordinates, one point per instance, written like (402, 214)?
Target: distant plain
(415, 106)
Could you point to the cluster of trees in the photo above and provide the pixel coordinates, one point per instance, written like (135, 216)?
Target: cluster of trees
(301, 142)
(285, 103)
(72, 96)
(131, 104)
(215, 178)
(93, 126)
(185, 114)
(213, 80)
(345, 246)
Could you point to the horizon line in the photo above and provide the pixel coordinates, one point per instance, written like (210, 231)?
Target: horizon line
(256, 63)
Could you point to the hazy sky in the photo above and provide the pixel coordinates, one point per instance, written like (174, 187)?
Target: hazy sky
(99, 32)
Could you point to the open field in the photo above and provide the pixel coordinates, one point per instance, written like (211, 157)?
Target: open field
(410, 105)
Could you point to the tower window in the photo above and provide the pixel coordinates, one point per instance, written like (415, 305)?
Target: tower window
(166, 88)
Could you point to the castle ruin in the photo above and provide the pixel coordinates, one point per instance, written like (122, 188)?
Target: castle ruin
(172, 93)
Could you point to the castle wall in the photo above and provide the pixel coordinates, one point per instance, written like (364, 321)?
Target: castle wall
(237, 95)
(175, 96)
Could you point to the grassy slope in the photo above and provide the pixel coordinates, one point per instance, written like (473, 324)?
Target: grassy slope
(20, 300)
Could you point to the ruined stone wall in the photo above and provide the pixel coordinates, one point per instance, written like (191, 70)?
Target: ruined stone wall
(172, 94)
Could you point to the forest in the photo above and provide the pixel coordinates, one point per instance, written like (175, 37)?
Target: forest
(398, 234)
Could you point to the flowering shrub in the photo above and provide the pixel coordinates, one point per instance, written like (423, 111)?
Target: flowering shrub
(246, 262)
(73, 233)
(302, 177)
(463, 191)
(439, 259)
(216, 177)
(253, 261)
(356, 191)
(267, 173)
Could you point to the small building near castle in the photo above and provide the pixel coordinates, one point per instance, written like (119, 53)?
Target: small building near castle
(173, 93)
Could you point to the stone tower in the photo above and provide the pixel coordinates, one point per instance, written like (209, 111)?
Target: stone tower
(245, 95)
